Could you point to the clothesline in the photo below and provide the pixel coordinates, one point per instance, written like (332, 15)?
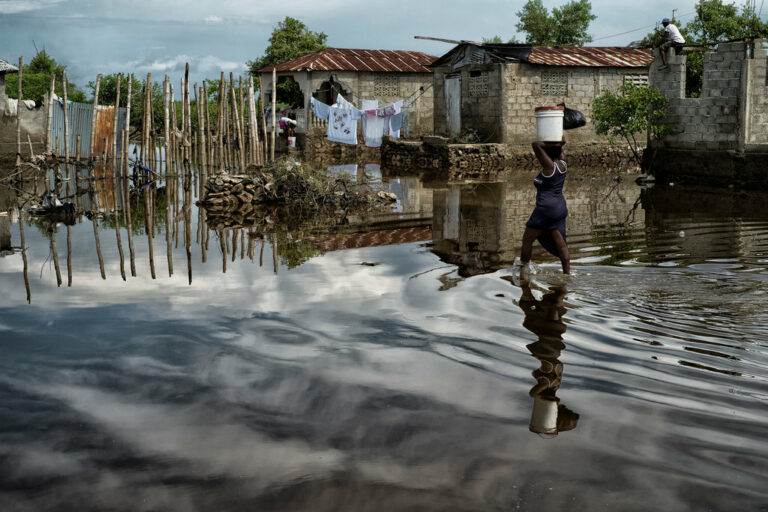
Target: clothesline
(377, 121)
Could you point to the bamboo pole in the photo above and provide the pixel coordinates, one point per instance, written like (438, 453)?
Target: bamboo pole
(228, 127)
(168, 246)
(263, 149)
(241, 99)
(253, 130)
(219, 125)
(66, 121)
(49, 116)
(115, 187)
(172, 133)
(19, 107)
(166, 121)
(93, 118)
(274, 114)
(77, 148)
(96, 234)
(188, 126)
(145, 121)
(115, 122)
(127, 140)
(236, 122)
(209, 147)
(201, 126)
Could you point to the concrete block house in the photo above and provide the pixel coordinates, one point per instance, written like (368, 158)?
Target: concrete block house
(720, 137)
(383, 75)
(492, 89)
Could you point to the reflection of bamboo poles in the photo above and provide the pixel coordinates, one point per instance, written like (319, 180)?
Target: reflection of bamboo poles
(24, 252)
(203, 228)
(242, 244)
(69, 256)
(261, 253)
(188, 218)
(234, 244)
(117, 228)
(168, 246)
(96, 238)
(222, 244)
(274, 252)
(55, 257)
(129, 223)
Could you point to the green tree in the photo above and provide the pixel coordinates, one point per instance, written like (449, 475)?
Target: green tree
(629, 112)
(566, 26)
(36, 80)
(290, 39)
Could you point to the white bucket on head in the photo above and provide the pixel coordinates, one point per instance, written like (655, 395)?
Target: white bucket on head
(291, 142)
(549, 124)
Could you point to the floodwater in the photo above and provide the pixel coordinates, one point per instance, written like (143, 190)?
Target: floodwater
(387, 361)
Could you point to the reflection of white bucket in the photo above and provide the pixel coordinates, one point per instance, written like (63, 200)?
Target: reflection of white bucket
(291, 142)
(549, 124)
(544, 417)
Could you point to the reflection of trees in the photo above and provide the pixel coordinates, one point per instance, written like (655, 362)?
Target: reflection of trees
(138, 208)
(544, 319)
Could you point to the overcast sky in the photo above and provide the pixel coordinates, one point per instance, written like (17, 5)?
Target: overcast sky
(159, 36)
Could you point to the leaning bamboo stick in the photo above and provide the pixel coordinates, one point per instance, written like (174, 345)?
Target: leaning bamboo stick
(241, 99)
(127, 140)
(188, 126)
(252, 123)
(166, 121)
(93, 118)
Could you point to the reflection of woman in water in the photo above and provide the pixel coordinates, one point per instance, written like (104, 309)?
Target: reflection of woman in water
(544, 319)
(547, 222)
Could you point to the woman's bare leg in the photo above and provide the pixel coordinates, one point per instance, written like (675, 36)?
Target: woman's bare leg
(562, 249)
(529, 237)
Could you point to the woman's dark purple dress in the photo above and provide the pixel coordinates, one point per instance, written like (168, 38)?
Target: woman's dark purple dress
(551, 210)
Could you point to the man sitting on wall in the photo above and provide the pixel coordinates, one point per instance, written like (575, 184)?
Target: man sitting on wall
(672, 38)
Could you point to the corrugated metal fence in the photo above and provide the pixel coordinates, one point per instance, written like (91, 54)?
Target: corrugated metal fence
(80, 118)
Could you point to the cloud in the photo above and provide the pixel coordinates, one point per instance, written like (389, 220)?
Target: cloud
(14, 6)
(197, 64)
(213, 19)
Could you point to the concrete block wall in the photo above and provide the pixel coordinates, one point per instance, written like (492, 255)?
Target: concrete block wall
(509, 116)
(757, 122)
(713, 121)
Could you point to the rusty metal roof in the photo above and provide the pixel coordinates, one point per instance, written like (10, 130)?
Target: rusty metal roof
(608, 56)
(345, 59)
(615, 56)
(7, 67)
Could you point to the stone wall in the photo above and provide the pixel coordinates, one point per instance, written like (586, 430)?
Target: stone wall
(498, 100)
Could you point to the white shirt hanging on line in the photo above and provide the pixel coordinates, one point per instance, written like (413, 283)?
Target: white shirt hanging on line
(342, 125)
(320, 109)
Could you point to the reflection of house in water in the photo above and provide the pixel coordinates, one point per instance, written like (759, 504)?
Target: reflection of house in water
(479, 227)
(704, 224)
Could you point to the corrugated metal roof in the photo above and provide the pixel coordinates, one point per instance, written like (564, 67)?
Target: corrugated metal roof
(7, 67)
(345, 59)
(617, 56)
(609, 56)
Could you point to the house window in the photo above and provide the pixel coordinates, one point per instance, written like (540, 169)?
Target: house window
(478, 84)
(554, 83)
(638, 80)
(386, 84)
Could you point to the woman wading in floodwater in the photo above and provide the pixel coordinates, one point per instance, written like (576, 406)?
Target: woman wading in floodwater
(547, 222)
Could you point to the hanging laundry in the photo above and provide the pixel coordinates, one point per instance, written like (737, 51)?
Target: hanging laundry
(342, 125)
(373, 129)
(395, 134)
(396, 122)
(343, 103)
(406, 128)
(348, 169)
(369, 105)
(320, 109)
